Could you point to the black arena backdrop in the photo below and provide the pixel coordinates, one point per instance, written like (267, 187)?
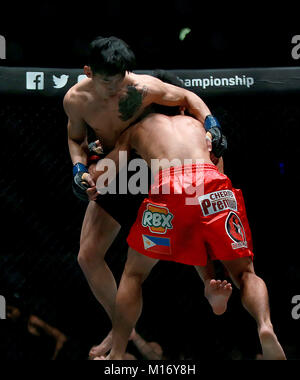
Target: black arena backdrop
(41, 219)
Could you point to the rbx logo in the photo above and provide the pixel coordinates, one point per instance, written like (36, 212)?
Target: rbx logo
(34, 80)
(2, 308)
(2, 48)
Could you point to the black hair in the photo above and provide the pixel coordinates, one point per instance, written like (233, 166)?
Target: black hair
(170, 78)
(110, 56)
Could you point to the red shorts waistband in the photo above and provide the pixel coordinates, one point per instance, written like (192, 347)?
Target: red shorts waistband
(185, 168)
(164, 175)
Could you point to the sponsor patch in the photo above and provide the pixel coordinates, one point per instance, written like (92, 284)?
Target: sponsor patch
(157, 244)
(217, 201)
(157, 218)
(235, 230)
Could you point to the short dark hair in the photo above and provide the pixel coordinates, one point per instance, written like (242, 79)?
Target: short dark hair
(110, 56)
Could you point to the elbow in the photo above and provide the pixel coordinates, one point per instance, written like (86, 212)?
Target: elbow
(74, 140)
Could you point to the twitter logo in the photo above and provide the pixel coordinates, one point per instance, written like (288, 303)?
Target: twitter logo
(60, 82)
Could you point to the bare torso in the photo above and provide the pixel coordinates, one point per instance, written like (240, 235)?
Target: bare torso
(159, 137)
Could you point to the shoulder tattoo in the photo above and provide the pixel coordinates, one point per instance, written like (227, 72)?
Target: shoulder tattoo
(131, 102)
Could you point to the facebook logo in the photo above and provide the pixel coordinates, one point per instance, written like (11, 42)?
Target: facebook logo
(2, 308)
(34, 80)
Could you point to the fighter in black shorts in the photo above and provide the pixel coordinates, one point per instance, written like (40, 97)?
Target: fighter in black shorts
(110, 100)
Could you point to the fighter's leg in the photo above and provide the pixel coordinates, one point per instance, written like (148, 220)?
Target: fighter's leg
(255, 299)
(217, 292)
(98, 232)
(129, 300)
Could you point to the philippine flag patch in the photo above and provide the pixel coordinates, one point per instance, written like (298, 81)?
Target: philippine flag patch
(157, 244)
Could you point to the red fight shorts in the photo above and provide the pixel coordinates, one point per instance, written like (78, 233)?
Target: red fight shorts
(192, 212)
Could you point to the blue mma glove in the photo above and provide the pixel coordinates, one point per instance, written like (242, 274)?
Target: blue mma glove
(79, 185)
(219, 141)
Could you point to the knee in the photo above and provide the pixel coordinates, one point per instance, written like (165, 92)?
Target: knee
(135, 276)
(88, 256)
(244, 277)
(84, 258)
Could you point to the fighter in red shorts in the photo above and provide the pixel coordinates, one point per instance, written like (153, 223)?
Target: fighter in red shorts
(189, 227)
(201, 216)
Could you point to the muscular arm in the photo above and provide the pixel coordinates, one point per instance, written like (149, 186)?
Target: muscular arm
(166, 94)
(77, 132)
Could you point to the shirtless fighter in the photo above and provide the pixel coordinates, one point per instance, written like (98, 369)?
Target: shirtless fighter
(166, 228)
(110, 100)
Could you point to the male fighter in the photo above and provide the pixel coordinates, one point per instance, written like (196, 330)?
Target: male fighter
(169, 227)
(110, 100)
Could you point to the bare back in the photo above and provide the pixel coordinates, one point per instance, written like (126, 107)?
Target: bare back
(170, 137)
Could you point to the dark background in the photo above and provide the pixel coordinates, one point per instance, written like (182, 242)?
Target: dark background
(55, 34)
(42, 219)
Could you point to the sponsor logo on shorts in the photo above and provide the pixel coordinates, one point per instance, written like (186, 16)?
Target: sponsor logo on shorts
(236, 231)
(157, 218)
(217, 201)
(157, 244)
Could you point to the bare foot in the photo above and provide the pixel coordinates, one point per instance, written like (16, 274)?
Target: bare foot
(104, 347)
(102, 358)
(127, 356)
(109, 357)
(271, 348)
(218, 293)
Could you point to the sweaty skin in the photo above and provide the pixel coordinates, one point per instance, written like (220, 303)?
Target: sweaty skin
(170, 138)
(109, 107)
(164, 138)
(182, 137)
